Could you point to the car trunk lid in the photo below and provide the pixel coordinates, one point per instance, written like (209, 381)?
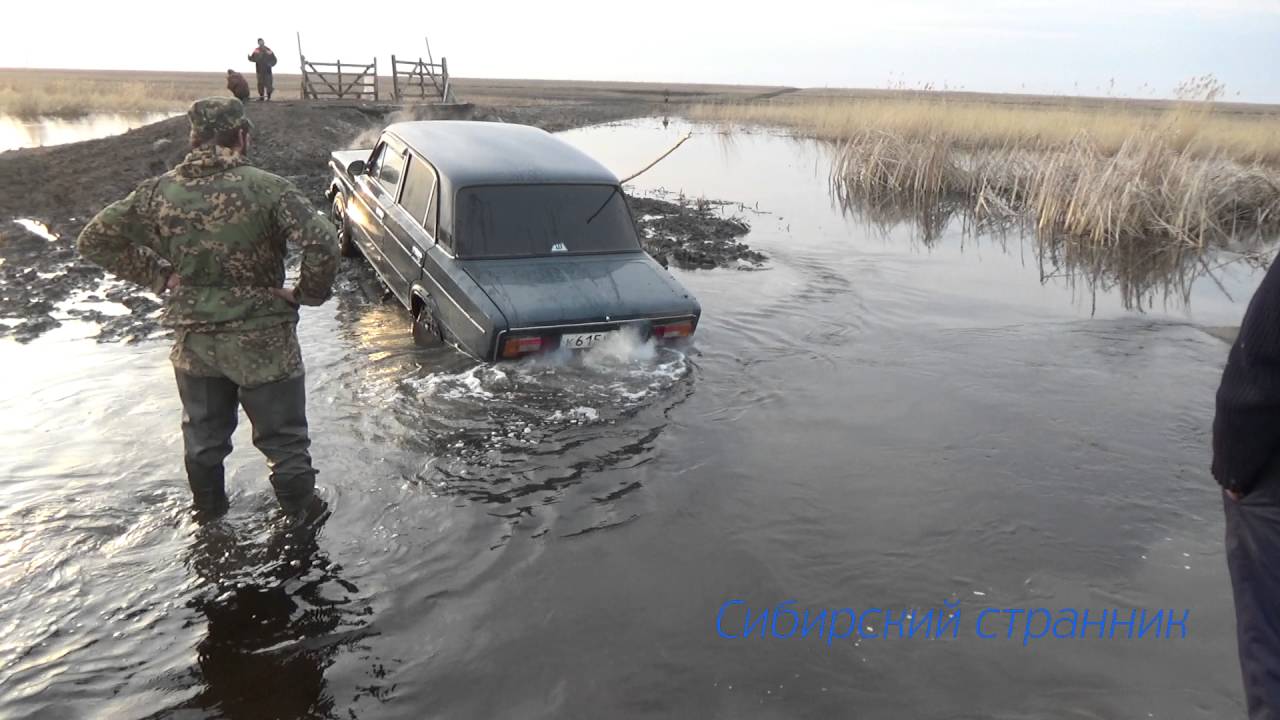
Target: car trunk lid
(581, 289)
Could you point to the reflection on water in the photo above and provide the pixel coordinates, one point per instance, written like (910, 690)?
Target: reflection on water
(276, 611)
(19, 133)
(869, 421)
(1141, 274)
(1144, 276)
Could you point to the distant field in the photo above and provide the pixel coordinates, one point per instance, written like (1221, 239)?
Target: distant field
(1247, 133)
(1079, 102)
(33, 93)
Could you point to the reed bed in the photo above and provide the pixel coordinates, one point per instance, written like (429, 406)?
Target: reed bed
(1185, 176)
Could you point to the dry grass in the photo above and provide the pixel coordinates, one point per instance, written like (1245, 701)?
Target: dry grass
(990, 124)
(70, 93)
(1184, 175)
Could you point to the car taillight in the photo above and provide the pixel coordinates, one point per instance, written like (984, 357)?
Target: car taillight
(671, 331)
(517, 346)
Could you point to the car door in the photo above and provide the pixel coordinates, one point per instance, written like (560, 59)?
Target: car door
(377, 193)
(407, 237)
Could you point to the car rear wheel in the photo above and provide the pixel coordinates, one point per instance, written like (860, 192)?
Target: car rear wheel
(338, 212)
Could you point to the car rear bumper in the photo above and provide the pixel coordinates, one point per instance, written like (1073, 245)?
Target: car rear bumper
(551, 334)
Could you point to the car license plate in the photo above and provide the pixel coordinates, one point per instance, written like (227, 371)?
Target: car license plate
(583, 341)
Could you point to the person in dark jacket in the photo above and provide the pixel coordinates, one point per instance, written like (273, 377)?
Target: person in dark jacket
(263, 59)
(1246, 463)
(238, 85)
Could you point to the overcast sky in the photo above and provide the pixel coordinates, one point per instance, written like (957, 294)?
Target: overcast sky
(1045, 46)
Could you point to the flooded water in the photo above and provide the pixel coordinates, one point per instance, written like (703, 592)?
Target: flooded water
(19, 133)
(871, 421)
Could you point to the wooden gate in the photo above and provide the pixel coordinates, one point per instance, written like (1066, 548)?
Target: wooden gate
(421, 80)
(339, 80)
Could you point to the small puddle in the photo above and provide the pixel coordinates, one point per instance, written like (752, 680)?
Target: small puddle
(37, 227)
(16, 133)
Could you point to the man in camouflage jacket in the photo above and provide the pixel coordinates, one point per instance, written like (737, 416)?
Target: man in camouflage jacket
(211, 236)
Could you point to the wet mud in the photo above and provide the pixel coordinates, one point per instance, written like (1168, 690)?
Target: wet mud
(693, 234)
(44, 282)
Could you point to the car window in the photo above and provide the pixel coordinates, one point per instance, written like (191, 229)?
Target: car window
(419, 192)
(524, 220)
(390, 168)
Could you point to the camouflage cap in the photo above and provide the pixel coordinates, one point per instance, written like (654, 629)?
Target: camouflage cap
(214, 114)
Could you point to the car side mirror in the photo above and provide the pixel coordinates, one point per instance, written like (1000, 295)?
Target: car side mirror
(356, 168)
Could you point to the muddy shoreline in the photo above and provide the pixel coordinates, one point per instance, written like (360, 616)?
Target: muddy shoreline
(61, 187)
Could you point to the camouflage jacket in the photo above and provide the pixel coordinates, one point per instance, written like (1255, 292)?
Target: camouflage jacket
(223, 226)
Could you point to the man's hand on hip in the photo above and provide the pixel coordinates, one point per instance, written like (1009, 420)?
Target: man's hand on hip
(290, 296)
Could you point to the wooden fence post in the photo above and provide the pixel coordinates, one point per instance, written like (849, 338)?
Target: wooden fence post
(444, 70)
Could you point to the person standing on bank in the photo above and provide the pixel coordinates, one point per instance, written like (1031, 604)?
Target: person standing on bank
(263, 59)
(211, 236)
(1246, 463)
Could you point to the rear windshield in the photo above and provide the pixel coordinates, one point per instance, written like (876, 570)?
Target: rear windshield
(523, 220)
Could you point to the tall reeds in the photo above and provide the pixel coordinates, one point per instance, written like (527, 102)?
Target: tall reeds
(1186, 175)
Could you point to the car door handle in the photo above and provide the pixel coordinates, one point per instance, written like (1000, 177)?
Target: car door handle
(379, 212)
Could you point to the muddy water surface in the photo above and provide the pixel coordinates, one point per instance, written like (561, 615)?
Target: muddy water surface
(19, 133)
(868, 422)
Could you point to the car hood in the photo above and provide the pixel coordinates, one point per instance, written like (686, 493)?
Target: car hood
(535, 292)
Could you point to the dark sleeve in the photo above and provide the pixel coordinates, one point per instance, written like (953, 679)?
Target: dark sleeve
(123, 242)
(308, 231)
(1246, 425)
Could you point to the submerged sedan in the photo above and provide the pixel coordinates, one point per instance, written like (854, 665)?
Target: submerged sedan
(503, 240)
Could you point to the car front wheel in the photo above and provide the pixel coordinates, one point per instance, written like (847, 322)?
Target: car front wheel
(339, 214)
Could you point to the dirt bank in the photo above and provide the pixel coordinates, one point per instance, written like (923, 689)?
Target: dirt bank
(62, 186)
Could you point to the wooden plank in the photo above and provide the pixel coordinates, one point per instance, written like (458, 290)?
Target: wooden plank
(323, 79)
(350, 87)
(395, 79)
(444, 70)
(313, 78)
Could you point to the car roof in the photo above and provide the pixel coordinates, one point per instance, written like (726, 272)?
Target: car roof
(492, 153)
